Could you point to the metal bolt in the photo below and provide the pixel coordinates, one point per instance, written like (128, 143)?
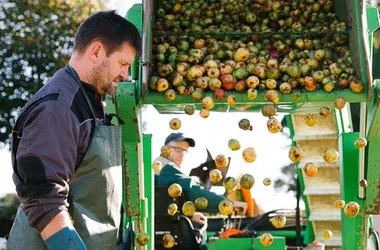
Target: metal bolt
(363, 183)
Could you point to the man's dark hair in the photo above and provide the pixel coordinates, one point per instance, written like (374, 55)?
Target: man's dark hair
(109, 28)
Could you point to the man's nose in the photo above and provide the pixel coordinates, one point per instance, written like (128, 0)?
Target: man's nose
(124, 74)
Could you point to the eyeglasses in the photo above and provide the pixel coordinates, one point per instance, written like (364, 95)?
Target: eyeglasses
(179, 149)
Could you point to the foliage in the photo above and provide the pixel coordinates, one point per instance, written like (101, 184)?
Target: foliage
(36, 40)
(8, 210)
(288, 180)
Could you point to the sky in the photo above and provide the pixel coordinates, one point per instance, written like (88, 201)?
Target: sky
(121, 6)
(6, 183)
(213, 133)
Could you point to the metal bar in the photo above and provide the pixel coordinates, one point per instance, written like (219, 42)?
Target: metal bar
(349, 180)
(149, 188)
(360, 24)
(372, 201)
(297, 96)
(373, 178)
(367, 48)
(361, 227)
(141, 171)
(363, 116)
(284, 233)
(125, 103)
(339, 121)
(146, 54)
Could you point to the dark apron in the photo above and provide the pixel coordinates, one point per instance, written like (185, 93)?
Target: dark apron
(94, 197)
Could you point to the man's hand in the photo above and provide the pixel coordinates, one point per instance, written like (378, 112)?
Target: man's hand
(240, 206)
(199, 218)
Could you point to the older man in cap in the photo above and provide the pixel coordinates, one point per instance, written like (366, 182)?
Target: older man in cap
(171, 173)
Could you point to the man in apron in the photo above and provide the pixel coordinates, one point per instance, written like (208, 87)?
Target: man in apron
(66, 157)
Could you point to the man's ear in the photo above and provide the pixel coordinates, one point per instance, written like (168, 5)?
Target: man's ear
(97, 52)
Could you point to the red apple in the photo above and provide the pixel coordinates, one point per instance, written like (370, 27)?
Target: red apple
(240, 86)
(219, 94)
(228, 82)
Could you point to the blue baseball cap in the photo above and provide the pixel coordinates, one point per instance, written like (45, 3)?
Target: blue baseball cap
(179, 137)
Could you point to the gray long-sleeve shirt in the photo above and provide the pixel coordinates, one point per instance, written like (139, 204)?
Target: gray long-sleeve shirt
(50, 140)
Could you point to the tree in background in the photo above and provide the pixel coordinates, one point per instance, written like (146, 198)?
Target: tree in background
(36, 40)
(8, 210)
(288, 180)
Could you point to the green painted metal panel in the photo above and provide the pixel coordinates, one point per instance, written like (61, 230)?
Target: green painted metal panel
(372, 18)
(149, 187)
(132, 191)
(373, 153)
(278, 243)
(376, 56)
(373, 114)
(125, 105)
(135, 16)
(238, 243)
(373, 177)
(339, 121)
(361, 220)
(246, 243)
(280, 233)
(349, 181)
(372, 24)
(370, 42)
(283, 233)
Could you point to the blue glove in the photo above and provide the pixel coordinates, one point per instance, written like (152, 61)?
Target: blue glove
(66, 239)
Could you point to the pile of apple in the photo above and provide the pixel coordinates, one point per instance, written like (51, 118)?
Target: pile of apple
(282, 61)
(184, 16)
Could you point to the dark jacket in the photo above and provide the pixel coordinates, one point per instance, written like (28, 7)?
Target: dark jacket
(50, 139)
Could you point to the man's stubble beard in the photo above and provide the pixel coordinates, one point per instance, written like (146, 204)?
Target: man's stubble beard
(101, 79)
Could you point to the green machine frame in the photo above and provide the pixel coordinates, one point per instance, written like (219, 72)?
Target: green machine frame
(138, 183)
